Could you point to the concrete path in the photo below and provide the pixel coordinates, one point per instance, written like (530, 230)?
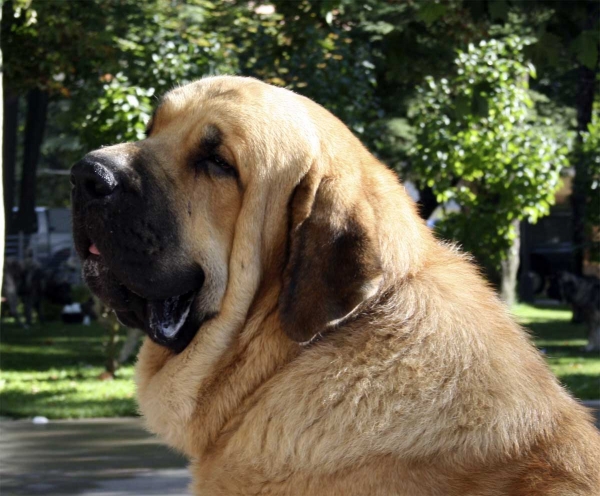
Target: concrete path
(104, 457)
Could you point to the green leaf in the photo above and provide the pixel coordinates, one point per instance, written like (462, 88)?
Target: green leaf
(585, 47)
(462, 106)
(480, 105)
(431, 12)
(498, 9)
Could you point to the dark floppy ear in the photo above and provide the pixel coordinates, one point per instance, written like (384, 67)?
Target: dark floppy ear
(333, 263)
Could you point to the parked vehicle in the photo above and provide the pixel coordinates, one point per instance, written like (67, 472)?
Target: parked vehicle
(53, 235)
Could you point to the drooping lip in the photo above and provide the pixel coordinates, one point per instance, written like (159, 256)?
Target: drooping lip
(172, 321)
(167, 317)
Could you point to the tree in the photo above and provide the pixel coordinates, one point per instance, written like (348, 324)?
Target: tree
(480, 144)
(2, 230)
(171, 44)
(409, 41)
(292, 46)
(566, 51)
(590, 179)
(50, 62)
(311, 48)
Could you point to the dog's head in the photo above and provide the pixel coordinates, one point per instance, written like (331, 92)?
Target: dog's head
(238, 184)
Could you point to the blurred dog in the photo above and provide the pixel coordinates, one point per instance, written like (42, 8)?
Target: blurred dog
(10, 288)
(24, 281)
(31, 283)
(583, 294)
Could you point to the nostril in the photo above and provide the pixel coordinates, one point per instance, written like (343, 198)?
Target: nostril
(94, 178)
(99, 188)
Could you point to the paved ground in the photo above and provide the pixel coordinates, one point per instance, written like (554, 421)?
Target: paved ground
(105, 457)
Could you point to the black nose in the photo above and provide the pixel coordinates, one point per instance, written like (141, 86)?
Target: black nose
(93, 177)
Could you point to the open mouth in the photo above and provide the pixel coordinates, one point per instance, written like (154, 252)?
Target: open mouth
(167, 317)
(171, 322)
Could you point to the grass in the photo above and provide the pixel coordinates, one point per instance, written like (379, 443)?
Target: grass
(53, 370)
(562, 343)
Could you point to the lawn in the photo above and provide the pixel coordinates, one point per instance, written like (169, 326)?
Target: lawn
(561, 342)
(53, 370)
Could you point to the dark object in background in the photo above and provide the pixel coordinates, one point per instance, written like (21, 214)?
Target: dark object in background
(31, 288)
(72, 314)
(23, 281)
(583, 294)
(75, 313)
(32, 283)
(57, 282)
(88, 309)
(10, 282)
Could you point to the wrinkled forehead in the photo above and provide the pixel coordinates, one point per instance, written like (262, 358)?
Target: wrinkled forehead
(241, 109)
(192, 103)
(257, 124)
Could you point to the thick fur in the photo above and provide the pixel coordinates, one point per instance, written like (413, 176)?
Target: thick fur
(351, 353)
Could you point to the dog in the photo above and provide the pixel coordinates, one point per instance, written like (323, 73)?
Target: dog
(24, 280)
(583, 294)
(307, 335)
(31, 282)
(10, 287)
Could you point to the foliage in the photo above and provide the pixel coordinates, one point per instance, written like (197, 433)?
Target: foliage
(479, 143)
(171, 44)
(120, 114)
(104, 62)
(407, 41)
(590, 157)
(55, 45)
(309, 48)
(184, 41)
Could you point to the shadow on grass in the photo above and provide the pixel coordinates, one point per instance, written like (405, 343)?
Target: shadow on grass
(51, 370)
(51, 345)
(584, 386)
(562, 344)
(64, 405)
(560, 331)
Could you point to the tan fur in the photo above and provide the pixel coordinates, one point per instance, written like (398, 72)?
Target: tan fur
(427, 387)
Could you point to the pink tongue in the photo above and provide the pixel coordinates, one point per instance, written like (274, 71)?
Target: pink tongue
(94, 250)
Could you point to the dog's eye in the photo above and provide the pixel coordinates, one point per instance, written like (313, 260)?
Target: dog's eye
(217, 167)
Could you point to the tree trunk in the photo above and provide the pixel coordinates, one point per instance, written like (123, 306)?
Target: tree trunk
(37, 108)
(527, 287)
(427, 202)
(585, 105)
(9, 152)
(593, 343)
(510, 267)
(585, 102)
(2, 226)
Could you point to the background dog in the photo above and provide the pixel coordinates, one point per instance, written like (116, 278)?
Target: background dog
(307, 334)
(583, 294)
(31, 283)
(23, 281)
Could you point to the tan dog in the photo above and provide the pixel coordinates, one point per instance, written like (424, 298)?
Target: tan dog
(309, 336)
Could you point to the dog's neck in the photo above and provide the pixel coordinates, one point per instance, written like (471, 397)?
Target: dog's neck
(259, 348)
